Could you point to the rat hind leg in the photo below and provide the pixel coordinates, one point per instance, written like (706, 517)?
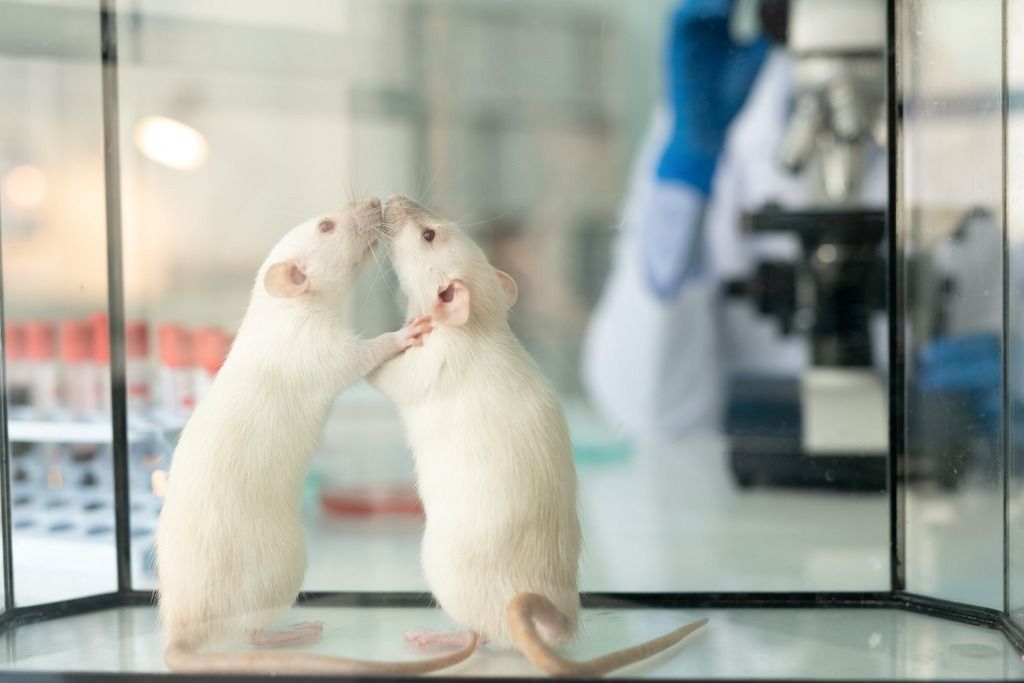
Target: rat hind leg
(552, 624)
(423, 638)
(303, 632)
(264, 597)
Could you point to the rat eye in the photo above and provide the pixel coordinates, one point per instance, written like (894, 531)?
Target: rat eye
(326, 225)
(429, 234)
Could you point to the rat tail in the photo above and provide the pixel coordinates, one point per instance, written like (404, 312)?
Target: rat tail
(181, 657)
(526, 610)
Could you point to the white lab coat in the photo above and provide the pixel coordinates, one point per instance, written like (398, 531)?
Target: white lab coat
(656, 368)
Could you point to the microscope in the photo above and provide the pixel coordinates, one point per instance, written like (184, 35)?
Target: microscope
(828, 426)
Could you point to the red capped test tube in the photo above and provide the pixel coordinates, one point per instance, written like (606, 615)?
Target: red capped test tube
(41, 358)
(177, 391)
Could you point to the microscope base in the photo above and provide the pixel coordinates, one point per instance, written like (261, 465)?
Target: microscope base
(794, 469)
(765, 428)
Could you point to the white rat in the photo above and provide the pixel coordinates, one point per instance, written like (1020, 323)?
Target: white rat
(230, 547)
(493, 458)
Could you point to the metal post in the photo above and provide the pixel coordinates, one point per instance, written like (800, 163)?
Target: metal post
(1007, 394)
(5, 454)
(115, 289)
(897, 341)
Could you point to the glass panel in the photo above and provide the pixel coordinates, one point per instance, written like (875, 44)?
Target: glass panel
(55, 287)
(750, 349)
(951, 209)
(226, 145)
(710, 423)
(1015, 237)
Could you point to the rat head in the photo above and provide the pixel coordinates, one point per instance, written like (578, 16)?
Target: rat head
(319, 259)
(442, 271)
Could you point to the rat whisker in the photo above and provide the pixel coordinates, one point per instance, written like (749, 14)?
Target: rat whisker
(381, 272)
(486, 220)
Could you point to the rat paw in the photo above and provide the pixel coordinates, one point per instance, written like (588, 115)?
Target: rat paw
(413, 332)
(296, 633)
(421, 639)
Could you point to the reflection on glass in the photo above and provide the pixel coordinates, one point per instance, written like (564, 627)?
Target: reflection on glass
(951, 198)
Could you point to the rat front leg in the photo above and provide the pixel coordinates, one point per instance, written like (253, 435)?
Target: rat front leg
(387, 346)
(373, 352)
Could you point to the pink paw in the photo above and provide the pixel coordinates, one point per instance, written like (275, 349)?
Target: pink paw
(421, 639)
(297, 633)
(413, 331)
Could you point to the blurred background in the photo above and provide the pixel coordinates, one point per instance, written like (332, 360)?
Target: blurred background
(693, 197)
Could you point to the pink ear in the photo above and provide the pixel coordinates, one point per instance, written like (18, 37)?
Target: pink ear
(509, 286)
(451, 306)
(285, 280)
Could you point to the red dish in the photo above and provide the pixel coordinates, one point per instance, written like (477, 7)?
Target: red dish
(367, 502)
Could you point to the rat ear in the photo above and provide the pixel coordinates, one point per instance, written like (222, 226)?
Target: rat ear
(285, 280)
(509, 286)
(452, 304)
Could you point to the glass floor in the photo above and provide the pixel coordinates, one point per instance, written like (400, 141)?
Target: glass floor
(736, 643)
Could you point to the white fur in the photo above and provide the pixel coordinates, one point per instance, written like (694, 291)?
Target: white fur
(230, 547)
(493, 457)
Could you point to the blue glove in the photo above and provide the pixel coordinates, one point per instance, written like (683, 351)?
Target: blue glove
(709, 78)
(967, 364)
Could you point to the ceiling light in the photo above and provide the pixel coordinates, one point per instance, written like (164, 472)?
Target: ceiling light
(25, 186)
(170, 142)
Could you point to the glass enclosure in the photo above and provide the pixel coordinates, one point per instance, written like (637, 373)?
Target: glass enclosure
(55, 296)
(766, 254)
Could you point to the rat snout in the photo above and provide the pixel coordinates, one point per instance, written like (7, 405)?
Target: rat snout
(370, 207)
(395, 200)
(396, 206)
(370, 215)
(399, 207)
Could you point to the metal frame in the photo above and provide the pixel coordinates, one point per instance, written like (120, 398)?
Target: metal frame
(5, 454)
(897, 338)
(125, 596)
(115, 290)
(1007, 402)
(104, 677)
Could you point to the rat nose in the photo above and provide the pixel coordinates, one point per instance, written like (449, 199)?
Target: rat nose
(399, 206)
(394, 209)
(369, 215)
(401, 201)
